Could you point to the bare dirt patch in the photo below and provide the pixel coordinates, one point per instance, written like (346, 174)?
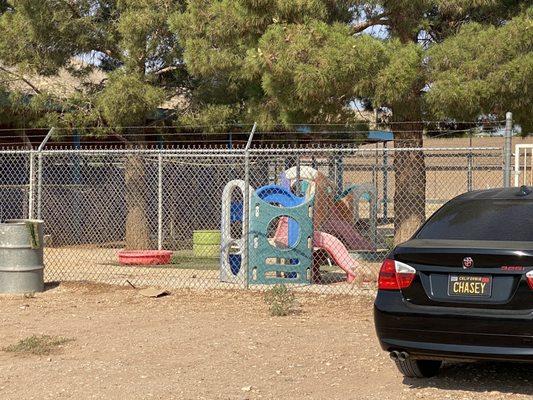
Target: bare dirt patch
(218, 345)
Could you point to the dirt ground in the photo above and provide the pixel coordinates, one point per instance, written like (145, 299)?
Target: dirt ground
(93, 264)
(211, 345)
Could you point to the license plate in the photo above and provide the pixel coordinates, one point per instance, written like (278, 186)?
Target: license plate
(470, 285)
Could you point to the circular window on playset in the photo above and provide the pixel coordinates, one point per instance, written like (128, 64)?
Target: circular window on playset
(299, 187)
(283, 232)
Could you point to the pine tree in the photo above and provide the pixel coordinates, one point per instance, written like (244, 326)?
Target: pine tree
(278, 62)
(289, 61)
(130, 40)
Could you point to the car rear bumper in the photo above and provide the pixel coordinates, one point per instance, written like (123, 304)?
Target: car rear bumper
(452, 333)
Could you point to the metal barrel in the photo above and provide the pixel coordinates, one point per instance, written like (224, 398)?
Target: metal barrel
(21, 256)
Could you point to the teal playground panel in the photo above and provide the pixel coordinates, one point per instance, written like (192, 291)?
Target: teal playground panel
(267, 263)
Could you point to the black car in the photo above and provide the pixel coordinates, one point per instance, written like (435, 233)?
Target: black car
(462, 287)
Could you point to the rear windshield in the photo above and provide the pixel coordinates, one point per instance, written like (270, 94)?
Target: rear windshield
(487, 219)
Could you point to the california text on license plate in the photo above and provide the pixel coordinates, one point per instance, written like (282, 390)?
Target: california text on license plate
(469, 285)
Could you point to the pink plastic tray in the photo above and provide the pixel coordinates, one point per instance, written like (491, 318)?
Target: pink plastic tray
(144, 257)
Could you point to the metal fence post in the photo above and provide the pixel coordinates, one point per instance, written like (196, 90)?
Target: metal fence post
(40, 171)
(31, 187)
(507, 149)
(339, 173)
(385, 181)
(39, 182)
(246, 207)
(469, 172)
(160, 201)
(469, 167)
(298, 186)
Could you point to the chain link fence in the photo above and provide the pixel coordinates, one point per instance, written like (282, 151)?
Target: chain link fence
(319, 219)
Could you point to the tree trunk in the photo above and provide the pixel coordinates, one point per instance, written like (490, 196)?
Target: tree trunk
(410, 172)
(137, 228)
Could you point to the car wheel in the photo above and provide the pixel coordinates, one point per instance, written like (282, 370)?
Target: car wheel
(418, 368)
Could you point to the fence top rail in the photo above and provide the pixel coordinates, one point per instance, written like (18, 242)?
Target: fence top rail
(241, 151)
(167, 151)
(366, 150)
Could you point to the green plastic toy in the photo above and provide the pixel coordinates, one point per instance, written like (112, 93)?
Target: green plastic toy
(269, 264)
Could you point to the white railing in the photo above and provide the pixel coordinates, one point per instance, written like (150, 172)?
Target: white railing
(523, 165)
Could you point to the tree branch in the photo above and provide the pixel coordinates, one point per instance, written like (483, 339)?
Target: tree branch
(165, 69)
(20, 77)
(361, 26)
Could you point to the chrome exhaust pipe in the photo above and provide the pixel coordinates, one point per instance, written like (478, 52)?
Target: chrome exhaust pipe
(402, 356)
(394, 355)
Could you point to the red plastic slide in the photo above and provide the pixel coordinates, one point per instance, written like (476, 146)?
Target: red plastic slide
(337, 251)
(346, 232)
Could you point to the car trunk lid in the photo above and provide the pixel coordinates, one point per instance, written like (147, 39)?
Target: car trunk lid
(468, 273)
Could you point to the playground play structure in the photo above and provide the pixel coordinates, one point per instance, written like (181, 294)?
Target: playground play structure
(284, 232)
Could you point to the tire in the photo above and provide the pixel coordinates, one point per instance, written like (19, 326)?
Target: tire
(418, 368)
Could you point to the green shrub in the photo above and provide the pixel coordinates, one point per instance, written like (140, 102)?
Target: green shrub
(37, 345)
(280, 299)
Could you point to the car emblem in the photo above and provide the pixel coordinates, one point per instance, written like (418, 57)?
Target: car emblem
(468, 262)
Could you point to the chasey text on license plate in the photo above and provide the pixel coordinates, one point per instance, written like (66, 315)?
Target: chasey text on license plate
(470, 285)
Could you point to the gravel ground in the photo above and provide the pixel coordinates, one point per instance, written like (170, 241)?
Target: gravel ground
(212, 345)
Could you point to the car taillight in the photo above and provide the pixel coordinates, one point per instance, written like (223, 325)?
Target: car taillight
(529, 277)
(395, 275)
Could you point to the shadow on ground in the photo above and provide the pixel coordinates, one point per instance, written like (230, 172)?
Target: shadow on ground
(50, 285)
(516, 378)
